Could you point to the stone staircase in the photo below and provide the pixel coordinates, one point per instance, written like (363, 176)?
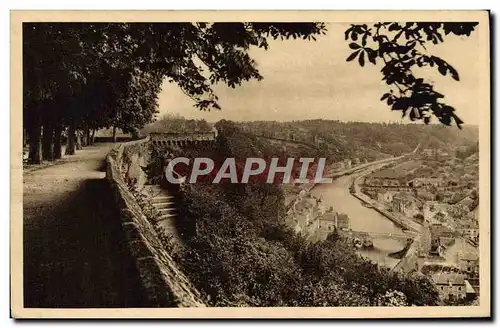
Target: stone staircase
(164, 203)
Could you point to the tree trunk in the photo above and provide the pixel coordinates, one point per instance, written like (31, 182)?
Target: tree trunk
(35, 142)
(88, 141)
(114, 133)
(48, 142)
(84, 138)
(70, 147)
(93, 136)
(57, 141)
(79, 140)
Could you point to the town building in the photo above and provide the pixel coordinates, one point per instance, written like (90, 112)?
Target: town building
(451, 286)
(425, 182)
(388, 179)
(385, 196)
(328, 221)
(406, 204)
(342, 221)
(469, 263)
(470, 292)
(441, 237)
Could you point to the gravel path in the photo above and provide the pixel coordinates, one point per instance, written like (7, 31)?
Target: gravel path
(72, 251)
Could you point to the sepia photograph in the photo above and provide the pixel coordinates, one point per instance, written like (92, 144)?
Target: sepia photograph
(273, 164)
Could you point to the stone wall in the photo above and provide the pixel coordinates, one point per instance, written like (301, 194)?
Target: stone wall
(182, 138)
(163, 281)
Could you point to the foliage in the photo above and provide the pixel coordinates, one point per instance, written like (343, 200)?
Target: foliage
(401, 47)
(176, 123)
(337, 140)
(94, 75)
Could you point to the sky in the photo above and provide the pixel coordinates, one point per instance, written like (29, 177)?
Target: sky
(311, 79)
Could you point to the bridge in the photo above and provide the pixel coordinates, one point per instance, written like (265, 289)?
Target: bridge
(378, 235)
(182, 138)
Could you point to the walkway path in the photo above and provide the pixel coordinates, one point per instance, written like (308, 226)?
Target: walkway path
(72, 251)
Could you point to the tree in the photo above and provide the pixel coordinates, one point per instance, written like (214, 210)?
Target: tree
(402, 47)
(90, 75)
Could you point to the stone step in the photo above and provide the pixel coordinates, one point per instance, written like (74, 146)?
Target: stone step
(163, 200)
(164, 217)
(165, 210)
(155, 190)
(163, 205)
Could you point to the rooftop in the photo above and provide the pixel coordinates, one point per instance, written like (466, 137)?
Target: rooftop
(469, 256)
(328, 217)
(439, 230)
(387, 174)
(448, 278)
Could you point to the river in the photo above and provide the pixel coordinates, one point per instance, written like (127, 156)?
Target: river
(361, 218)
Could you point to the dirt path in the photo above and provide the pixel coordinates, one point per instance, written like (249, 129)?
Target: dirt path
(72, 251)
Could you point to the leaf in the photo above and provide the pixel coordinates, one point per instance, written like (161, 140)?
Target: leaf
(346, 33)
(362, 59)
(454, 73)
(353, 55)
(442, 69)
(386, 95)
(372, 59)
(354, 46)
(394, 27)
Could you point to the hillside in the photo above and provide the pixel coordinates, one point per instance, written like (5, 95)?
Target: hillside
(368, 141)
(239, 252)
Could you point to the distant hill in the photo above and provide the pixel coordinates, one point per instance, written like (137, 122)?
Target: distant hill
(369, 141)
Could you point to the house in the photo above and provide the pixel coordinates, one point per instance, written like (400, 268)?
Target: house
(385, 196)
(405, 203)
(328, 221)
(389, 178)
(470, 292)
(440, 217)
(469, 263)
(425, 195)
(470, 231)
(467, 201)
(342, 221)
(425, 182)
(436, 248)
(441, 235)
(451, 286)
(431, 209)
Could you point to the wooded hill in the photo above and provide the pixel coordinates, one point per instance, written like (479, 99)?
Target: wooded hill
(370, 141)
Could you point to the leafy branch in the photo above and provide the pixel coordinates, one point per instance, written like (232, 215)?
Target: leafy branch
(401, 47)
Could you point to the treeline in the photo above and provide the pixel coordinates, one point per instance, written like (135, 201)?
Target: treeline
(370, 141)
(82, 77)
(79, 77)
(176, 123)
(239, 252)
